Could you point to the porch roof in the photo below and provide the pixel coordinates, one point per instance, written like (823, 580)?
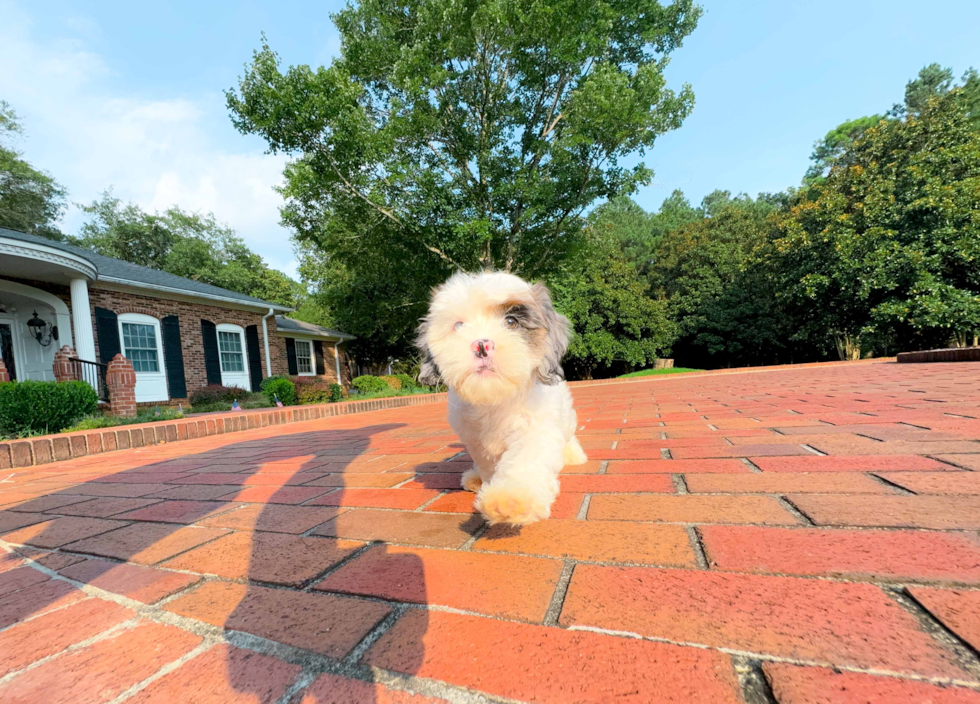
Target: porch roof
(101, 268)
(291, 326)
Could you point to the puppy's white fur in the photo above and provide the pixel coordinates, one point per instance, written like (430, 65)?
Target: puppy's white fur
(510, 407)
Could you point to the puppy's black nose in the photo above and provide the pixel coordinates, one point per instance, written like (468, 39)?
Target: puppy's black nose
(482, 348)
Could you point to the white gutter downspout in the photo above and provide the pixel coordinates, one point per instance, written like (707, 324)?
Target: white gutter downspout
(265, 339)
(336, 358)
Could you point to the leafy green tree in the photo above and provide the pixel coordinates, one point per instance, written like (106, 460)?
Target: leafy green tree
(192, 245)
(886, 256)
(723, 309)
(829, 150)
(638, 232)
(378, 301)
(465, 134)
(934, 81)
(613, 318)
(675, 212)
(30, 200)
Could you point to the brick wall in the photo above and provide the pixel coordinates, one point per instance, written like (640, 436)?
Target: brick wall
(190, 316)
(280, 365)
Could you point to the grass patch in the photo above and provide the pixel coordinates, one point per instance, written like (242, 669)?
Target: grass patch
(94, 422)
(652, 372)
(389, 393)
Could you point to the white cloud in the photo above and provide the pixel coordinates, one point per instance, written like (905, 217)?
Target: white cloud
(157, 151)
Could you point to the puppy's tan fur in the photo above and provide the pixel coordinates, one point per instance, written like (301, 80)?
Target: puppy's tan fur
(516, 420)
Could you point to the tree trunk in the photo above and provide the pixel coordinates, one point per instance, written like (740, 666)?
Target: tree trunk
(848, 347)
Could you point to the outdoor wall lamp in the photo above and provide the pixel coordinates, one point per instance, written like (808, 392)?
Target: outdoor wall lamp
(42, 331)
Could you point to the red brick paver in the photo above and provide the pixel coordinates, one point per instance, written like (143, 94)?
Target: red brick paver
(810, 529)
(814, 685)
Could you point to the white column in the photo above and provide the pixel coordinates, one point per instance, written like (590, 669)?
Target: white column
(336, 359)
(81, 318)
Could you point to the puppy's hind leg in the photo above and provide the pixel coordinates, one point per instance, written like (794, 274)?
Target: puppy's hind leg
(574, 454)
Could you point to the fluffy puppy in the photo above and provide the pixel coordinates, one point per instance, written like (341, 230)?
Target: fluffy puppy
(497, 343)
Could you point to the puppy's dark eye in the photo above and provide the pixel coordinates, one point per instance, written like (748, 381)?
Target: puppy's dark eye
(511, 322)
(457, 326)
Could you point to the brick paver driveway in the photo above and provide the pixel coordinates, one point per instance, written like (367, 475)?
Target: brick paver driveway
(798, 535)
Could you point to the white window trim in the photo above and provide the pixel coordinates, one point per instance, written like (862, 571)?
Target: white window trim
(237, 330)
(141, 319)
(161, 373)
(246, 372)
(299, 341)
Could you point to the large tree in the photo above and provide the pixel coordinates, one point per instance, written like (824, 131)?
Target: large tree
(617, 326)
(465, 134)
(886, 255)
(721, 303)
(835, 144)
(30, 200)
(193, 245)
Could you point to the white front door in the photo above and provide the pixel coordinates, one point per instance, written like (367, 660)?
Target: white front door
(7, 343)
(234, 356)
(31, 359)
(142, 345)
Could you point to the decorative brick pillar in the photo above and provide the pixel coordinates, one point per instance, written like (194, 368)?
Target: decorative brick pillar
(120, 380)
(4, 375)
(63, 369)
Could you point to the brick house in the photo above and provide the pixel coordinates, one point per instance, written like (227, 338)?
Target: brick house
(180, 334)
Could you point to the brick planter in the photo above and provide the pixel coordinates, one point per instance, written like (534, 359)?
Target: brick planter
(120, 379)
(64, 370)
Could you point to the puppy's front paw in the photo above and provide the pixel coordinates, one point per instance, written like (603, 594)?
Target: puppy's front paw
(513, 504)
(574, 454)
(471, 480)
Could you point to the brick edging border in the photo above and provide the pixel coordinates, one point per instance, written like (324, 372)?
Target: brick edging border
(15, 454)
(952, 354)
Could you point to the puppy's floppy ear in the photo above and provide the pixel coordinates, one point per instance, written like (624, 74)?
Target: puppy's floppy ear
(429, 374)
(556, 341)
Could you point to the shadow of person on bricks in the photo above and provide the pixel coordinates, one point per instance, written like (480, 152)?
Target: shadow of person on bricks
(235, 532)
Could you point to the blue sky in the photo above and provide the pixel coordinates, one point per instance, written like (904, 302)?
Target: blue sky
(129, 95)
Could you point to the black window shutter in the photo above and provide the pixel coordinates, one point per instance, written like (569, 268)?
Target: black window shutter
(174, 356)
(212, 362)
(321, 368)
(291, 356)
(107, 328)
(254, 360)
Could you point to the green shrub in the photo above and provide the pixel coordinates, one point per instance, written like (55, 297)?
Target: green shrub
(311, 389)
(336, 393)
(44, 406)
(393, 382)
(281, 387)
(368, 384)
(314, 391)
(213, 393)
(270, 379)
(408, 382)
